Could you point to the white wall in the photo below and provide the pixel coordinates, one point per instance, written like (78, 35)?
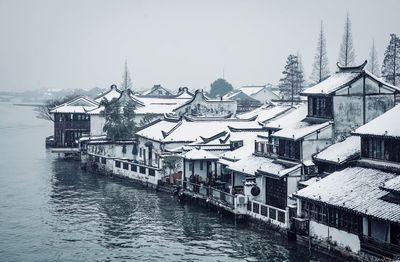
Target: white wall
(265, 95)
(342, 238)
(314, 143)
(96, 125)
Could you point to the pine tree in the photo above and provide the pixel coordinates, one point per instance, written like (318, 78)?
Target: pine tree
(126, 78)
(320, 66)
(119, 119)
(391, 61)
(291, 84)
(347, 55)
(373, 64)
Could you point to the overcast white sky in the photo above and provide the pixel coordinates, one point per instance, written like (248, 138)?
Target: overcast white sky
(83, 43)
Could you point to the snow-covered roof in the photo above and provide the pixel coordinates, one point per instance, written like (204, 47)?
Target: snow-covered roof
(187, 131)
(155, 130)
(252, 164)
(192, 130)
(300, 130)
(339, 153)
(251, 90)
(110, 94)
(246, 150)
(392, 185)
(265, 113)
(79, 104)
(155, 88)
(309, 181)
(332, 83)
(198, 154)
(200, 93)
(387, 124)
(151, 105)
(290, 119)
(344, 77)
(357, 189)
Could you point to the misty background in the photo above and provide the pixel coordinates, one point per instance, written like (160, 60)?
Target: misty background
(83, 44)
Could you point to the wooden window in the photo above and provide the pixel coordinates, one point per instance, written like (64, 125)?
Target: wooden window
(125, 166)
(201, 165)
(152, 172)
(133, 168)
(142, 170)
(332, 216)
(289, 149)
(320, 106)
(103, 160)
(276, 192)
(118, 164)
(96, 159)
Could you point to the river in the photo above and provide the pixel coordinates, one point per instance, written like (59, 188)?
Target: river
(52, 210)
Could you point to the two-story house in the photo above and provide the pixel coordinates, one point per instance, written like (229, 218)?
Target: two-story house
(358, 208)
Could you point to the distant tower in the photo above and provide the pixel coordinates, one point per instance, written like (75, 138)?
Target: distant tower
(126, 78)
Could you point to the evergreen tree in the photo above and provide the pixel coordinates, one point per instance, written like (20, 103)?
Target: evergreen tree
(220, 87)
(372, 65)
(291, 85)
(119, 119)
(320, 67)
(347, 55)
(391, 61)
(126, 78)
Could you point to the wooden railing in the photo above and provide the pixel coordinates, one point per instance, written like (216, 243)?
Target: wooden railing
(210, 192)
(380, 247)
(275, 214)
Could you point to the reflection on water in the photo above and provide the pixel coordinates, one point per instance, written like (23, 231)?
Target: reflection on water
(52, 210)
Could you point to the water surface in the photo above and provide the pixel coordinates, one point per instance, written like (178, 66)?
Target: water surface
(51, 210)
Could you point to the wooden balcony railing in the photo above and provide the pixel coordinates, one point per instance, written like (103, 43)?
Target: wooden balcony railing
(210, 192)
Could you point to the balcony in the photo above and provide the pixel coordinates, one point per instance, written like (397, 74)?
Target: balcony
(379, 248)
(269, 213)
(210, 193)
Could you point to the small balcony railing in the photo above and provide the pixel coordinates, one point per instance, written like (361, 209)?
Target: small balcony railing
(210, 192)
(380, 247)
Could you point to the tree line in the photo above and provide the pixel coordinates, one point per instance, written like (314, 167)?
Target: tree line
(292, 82)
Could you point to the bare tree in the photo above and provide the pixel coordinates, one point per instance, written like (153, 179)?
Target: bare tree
(373, 65)
(347, 55)
(321, 65)
(43, 111)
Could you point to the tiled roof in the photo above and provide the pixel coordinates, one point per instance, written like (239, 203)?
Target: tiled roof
(340, 152)
(357, 189)
(387, 124)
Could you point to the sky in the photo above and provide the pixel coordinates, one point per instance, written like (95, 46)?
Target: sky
(84, 43)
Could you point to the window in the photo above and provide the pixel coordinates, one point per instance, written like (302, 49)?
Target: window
(140, 152)
(332, 216)
(201, 165)
(378, 148)
(320, 106)
(142, 170)
(96, 159)
(125, 166)
(152, 172)
(289, 149)
(134, 168)
(103, 160)
(118, 164)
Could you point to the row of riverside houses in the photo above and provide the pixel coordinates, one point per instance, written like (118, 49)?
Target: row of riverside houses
(353, 210)
(259, 164)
